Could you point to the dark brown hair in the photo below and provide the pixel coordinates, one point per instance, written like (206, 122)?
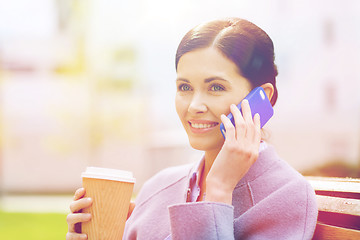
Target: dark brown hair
(241, 41)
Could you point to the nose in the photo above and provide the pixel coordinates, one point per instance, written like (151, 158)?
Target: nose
(197, 105)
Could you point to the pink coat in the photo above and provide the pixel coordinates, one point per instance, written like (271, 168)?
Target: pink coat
(272, 201)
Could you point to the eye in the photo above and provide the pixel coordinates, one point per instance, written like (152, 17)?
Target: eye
(217, 88)
(184, 87)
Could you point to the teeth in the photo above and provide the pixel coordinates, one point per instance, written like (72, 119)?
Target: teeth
(201, 125)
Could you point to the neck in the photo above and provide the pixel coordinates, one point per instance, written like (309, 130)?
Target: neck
(210, 157)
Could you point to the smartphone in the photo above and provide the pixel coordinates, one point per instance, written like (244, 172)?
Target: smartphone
(259, 103)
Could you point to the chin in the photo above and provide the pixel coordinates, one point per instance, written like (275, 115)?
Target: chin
(203, 145)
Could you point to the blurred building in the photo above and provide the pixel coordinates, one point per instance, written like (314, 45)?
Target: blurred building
(93, 83)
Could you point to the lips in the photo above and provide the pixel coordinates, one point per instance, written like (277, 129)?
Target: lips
(201, 126)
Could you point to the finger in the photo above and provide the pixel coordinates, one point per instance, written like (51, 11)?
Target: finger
(79, 193)
(239, 121)
(256, 138)
(131, 209)
(76, 236)
(74, 218)
(229, 128)
(253, 132)
(80, 204)
(246, 111)
(257, 126)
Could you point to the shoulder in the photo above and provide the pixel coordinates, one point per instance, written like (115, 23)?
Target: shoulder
(284, 186)
(163, 180)
(273, 173)
(270, 166)
(273, 179)
(274, 191)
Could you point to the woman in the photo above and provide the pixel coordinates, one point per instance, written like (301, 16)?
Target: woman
(240, 189)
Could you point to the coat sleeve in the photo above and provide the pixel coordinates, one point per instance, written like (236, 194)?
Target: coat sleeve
(202, 220)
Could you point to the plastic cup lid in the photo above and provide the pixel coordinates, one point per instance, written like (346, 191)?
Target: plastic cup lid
(108, 174)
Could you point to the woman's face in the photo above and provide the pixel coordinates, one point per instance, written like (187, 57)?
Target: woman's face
(207, 84)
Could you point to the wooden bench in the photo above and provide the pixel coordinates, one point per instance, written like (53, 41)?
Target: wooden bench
(339, 208)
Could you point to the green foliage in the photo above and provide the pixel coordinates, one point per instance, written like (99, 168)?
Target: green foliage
(32, 226)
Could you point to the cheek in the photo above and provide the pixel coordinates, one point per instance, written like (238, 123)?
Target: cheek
(181, 106)
(221, 107)
(224, 107)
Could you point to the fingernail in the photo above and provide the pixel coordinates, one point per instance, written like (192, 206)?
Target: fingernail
(83, 237)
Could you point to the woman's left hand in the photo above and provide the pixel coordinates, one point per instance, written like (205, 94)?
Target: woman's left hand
(238, 154)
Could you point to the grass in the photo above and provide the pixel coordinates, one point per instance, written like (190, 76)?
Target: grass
(32, 226)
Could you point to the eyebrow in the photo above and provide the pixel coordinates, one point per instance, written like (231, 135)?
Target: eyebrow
(207, 80)
(210, 79)
(182, 79)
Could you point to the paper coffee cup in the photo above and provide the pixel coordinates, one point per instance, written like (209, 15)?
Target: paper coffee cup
(111, 191)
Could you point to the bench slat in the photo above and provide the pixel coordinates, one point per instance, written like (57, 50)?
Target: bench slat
(327, 232)
(338, 205)
(338, 201)
(349, 185)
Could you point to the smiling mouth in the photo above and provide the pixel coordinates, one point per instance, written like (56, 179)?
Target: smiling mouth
(203, 125)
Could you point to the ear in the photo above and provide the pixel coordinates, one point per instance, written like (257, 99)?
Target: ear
(269, 90)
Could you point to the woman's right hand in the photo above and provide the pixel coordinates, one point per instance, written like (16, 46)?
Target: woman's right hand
(237, 155)
(76, 217)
